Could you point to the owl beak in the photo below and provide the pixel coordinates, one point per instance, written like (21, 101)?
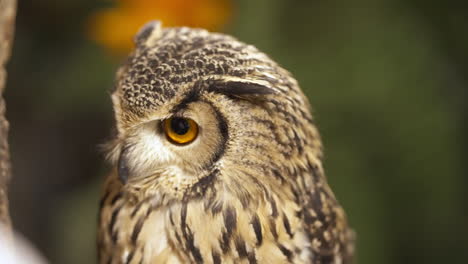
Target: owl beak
(122, 167)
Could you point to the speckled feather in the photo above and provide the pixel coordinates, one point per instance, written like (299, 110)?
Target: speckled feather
(250, 189)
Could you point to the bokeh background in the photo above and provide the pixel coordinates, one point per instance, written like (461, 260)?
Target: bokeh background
(387, 80)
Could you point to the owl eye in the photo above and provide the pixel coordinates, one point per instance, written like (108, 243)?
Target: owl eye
(180, 130)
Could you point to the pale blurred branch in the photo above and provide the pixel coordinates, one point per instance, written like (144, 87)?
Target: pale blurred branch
(7, 23)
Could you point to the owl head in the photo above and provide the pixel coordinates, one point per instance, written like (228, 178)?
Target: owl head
(201, 112)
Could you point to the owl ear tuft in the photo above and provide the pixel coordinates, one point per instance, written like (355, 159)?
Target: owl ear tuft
(148, 34)
(241, 88)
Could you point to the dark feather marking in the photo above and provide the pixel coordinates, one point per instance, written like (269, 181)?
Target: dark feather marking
(274, 209)
(177, 236)
(183, 216)
(298, 251)
(241, 248)
(230, 219)
(315, 170)
(183, 223)
(216, 208)
(112, 224)
(224, 131)
(288, 253)
(216, 257)
(230, 223)
(190, 245)
(295, 192)
(278, 175)
(171, 219)
(224, 242)
(308, 219)
(137, 229)
(149, 211)
(298, 142)
(251, 257)
(273, 228)
(115, 236)
(287, 226)
(103, 199)
(257, 229)
(130, 257)
(101, 204)
(137, 208)
(202, 185)
(209, 201)
(188, 236)
(116, 198)
(315, 202)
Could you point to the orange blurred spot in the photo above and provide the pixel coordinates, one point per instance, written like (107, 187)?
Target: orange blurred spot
(115, 27)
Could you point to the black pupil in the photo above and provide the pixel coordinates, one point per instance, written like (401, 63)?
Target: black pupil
(180, 126)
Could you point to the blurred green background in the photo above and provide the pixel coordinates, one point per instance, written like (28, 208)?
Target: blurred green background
(387, 80)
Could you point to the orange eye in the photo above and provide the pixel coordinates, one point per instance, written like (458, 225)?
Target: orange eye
(180, 130)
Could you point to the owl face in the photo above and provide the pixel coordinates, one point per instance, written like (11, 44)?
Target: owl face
(174, 149)
(196, 110)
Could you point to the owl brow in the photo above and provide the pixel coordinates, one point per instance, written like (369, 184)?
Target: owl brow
(239, 88)
(229, 88)
(189, 97)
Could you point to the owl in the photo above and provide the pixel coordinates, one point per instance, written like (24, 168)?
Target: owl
(216, 159)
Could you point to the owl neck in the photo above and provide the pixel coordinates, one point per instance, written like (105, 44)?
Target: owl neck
(229, 221)
(227, 226)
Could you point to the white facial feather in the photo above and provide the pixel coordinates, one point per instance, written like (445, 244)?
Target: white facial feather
(149, 150)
